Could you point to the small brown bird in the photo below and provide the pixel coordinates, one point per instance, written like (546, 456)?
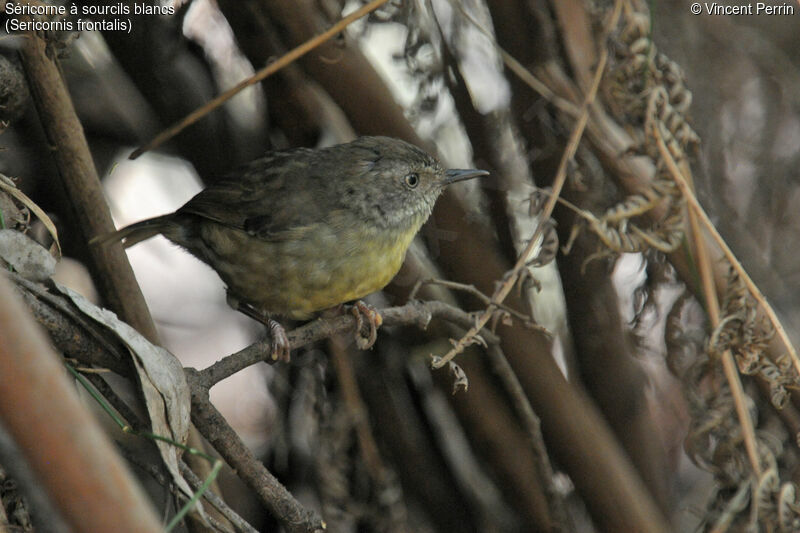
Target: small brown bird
(302, 230)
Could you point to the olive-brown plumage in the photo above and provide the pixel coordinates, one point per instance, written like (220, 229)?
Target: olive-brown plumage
(302, 230)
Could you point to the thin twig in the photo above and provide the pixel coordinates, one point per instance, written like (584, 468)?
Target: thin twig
(218, 503)
(712, 305)
(132, 421)
(519, 69)
(532, 425)
(262, 74)
(558, 183)
(737, 266)
(469, 289)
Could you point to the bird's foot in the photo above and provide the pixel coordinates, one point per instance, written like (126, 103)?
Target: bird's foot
(280, 349)
(374, 320)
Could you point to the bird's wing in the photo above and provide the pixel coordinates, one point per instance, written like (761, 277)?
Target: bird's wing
(265, 198)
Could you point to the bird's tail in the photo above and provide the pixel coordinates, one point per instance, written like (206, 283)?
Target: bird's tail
(136, 233)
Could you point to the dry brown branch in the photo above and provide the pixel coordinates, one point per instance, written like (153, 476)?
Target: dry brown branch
(218, 503)
(729, 255)
(615, 495)
(532, 424)
(81, 183)
(580, 441)
(80, 180)
(212, 425)
(415, 313)
(712, 305)
(512, 277)
(55, 449)
(494, 140)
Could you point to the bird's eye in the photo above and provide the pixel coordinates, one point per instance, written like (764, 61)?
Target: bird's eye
(411, 180)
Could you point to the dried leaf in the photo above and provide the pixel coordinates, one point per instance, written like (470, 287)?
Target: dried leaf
(460, 382)
(163, 383)
(28, 258)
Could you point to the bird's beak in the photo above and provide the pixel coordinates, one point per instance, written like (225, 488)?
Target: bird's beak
(453, 175)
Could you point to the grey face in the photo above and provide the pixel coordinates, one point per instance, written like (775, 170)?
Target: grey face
(395, 183)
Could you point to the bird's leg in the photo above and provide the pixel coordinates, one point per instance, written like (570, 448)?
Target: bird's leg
(279, 344)
(361, 311)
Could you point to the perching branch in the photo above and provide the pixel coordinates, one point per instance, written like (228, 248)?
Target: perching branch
(413, 313)
(73, 336)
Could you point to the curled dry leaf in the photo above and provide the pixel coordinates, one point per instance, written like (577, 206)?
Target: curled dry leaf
(163, 383)
(460, 381)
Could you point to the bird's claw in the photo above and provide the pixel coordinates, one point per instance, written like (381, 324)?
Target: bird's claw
(279, 345)
(373, 318)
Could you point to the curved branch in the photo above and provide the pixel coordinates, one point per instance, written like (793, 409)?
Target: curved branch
(44, 425)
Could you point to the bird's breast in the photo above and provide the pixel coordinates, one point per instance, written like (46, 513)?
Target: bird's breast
(325, 266)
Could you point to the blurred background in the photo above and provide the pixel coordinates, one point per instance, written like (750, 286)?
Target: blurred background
(620, 370)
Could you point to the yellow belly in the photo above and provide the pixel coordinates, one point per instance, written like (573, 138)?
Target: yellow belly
(299, 277)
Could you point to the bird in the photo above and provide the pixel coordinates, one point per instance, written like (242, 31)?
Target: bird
(298, 231)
